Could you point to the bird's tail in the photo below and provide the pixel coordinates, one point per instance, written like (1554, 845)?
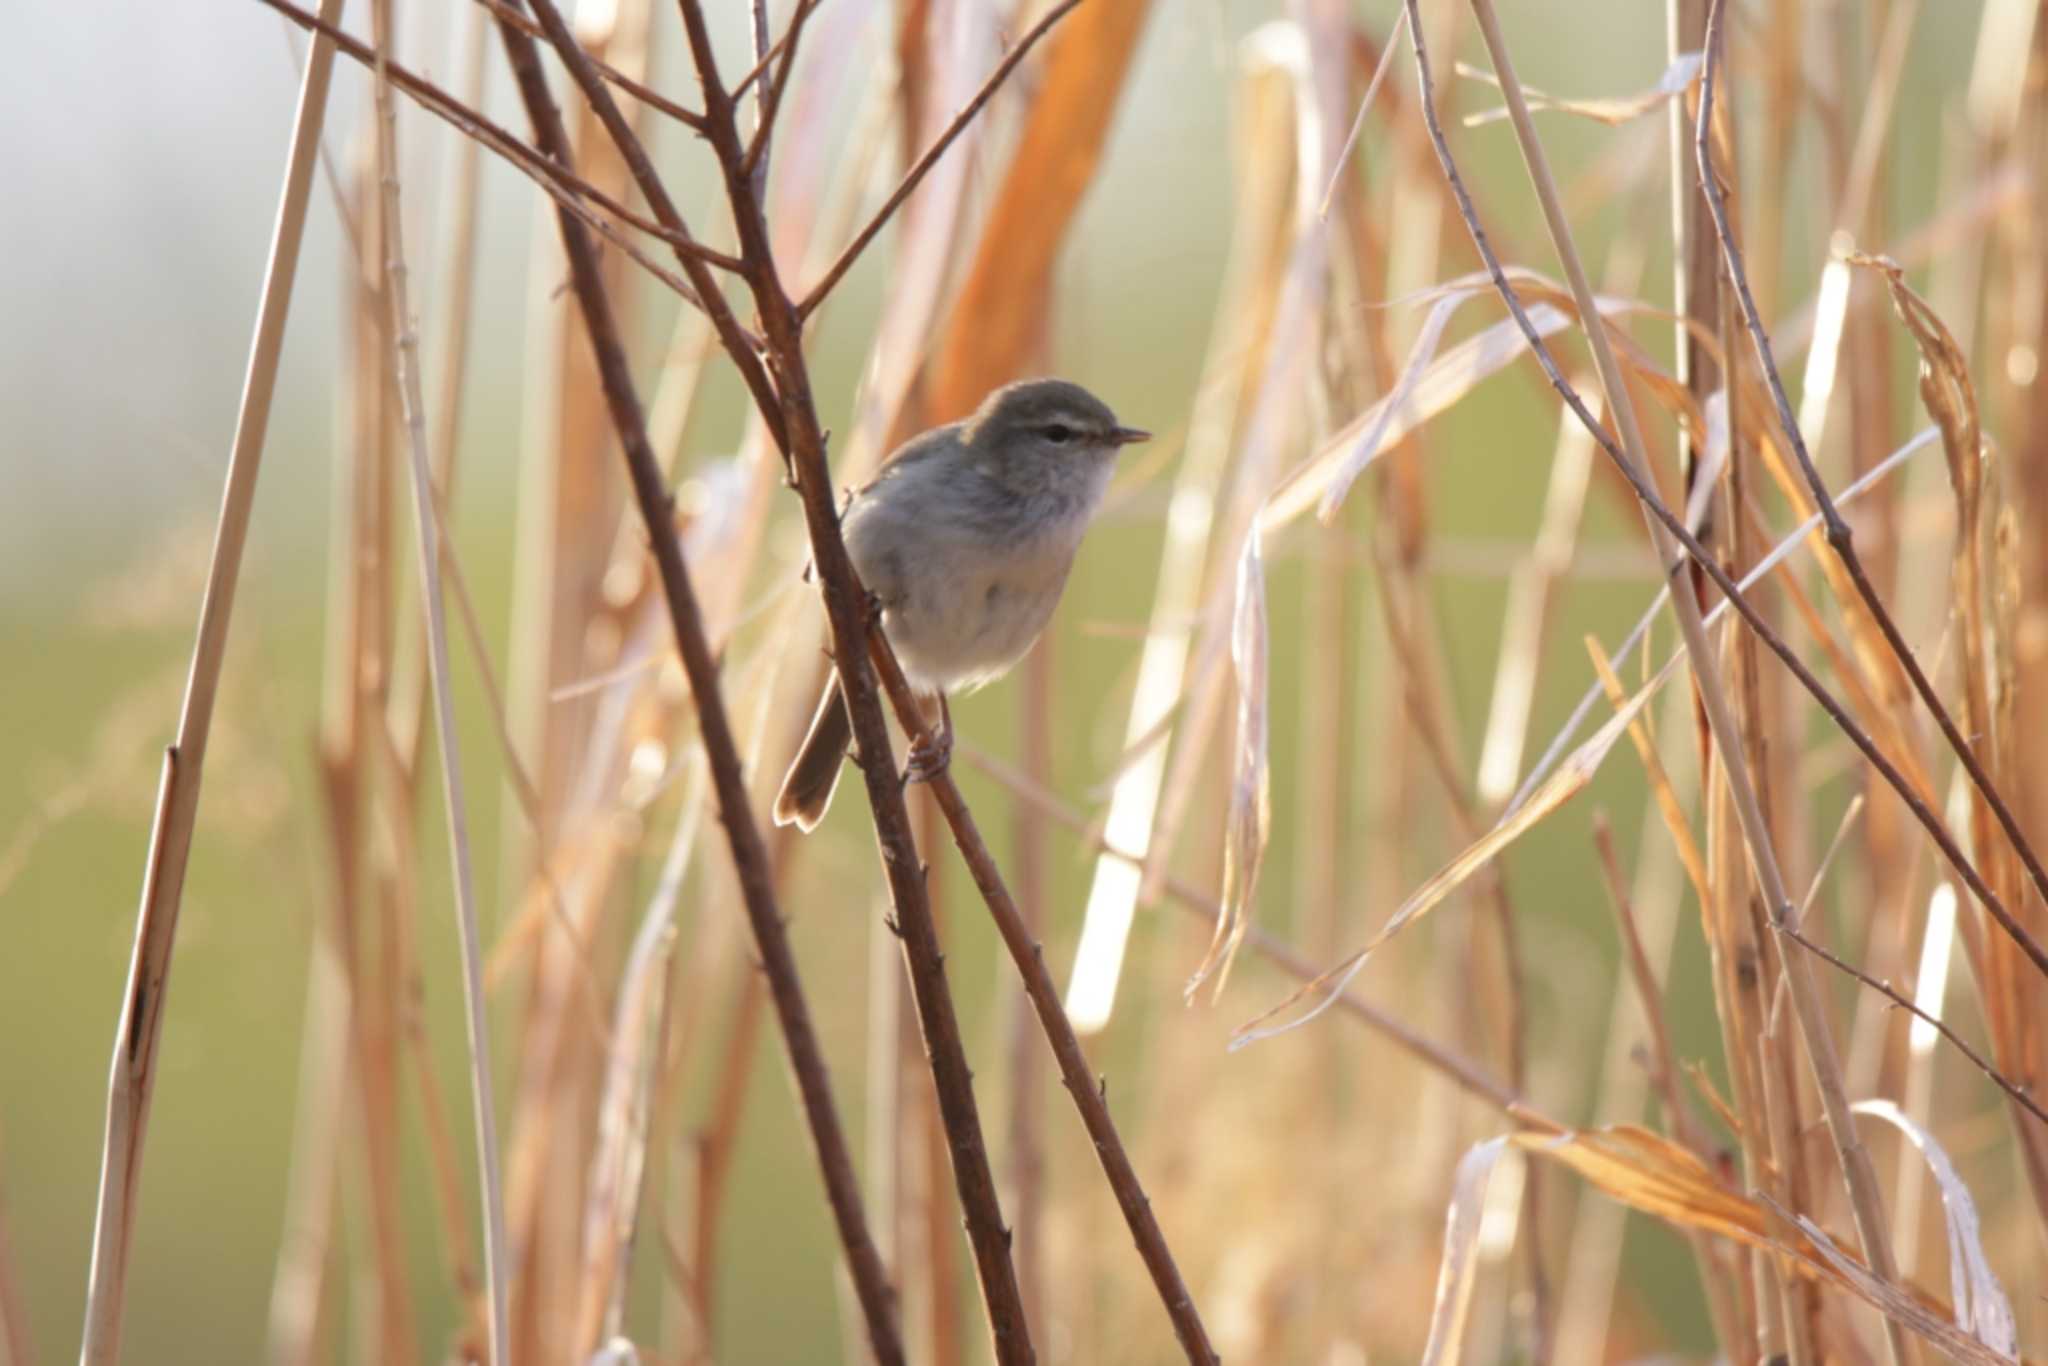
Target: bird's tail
(807, 790)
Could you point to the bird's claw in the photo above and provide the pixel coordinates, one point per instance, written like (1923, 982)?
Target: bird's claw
(928, 758)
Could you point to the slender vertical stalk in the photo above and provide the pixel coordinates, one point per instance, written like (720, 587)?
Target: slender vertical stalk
(1861, 1179)
(405, 344)
(133, 1070)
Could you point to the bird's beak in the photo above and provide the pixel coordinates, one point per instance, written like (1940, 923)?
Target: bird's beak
(1129, 436)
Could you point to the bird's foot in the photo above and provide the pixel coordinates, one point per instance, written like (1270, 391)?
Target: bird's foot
(930, 755)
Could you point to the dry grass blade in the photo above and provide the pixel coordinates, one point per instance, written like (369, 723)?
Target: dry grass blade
(1840, 538)
(142, 1002)
(1447, 379)
(1981, 1307)
(1249, 824)
(1460, 1264)
(1394, 407)
(1907, 1310)
(1612, 110)
(1649, 1173)
(1265, 99)
(1567, 782)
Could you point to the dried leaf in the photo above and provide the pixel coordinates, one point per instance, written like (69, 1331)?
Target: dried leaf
(1981, 1307)
(1373, 439)
(1250, 822)
(1612, 110)
(1567, 782)
(1649, 1172)
(1911, 1310)
(1448, 379)
(1457, 1270)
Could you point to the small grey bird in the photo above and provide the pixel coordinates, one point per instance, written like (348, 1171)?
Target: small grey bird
(965, 539)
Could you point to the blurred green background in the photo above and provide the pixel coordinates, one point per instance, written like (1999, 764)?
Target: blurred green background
(143, 159)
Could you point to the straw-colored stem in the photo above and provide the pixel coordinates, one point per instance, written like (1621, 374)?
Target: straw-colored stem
(405, 344)
(1865, 1203)
(133, 1079)
(1839, 536)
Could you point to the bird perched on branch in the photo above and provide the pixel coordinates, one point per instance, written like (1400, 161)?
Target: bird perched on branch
(964, 540)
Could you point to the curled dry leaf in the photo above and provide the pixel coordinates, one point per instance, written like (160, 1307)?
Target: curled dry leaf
(1612, 110)
(1251, 809)
(1981, 1307)
(1455, 1273)
(1567, 782)
(1650, 1173)
(1373, 439)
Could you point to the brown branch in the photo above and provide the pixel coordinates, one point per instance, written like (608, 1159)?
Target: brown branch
(846, 609)
(743, 348)
(931, 157)
(1840, 538)
(750, 861)
(562, 184)
(1089, 1093)
(647, 95)
(770, 102)
(763, 60)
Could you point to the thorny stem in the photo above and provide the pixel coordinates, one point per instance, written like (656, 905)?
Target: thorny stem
(1840, 538)
(750, 861)
(795, 415)
(1858, 1173)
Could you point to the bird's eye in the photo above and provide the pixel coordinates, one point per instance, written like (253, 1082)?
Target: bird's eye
(1059, 433)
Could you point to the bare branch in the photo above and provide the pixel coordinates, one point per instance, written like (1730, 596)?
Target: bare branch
(931, 157)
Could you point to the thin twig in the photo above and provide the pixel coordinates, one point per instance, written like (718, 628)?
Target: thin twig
(931, 157)
(739, 345)
(750, 862)
(2005, 1084)
(1467, 1075)
(1664, 1075)
(133, 1079)
(1840, 538)
(567, 189)
(1865, 1202)
(647, 95)
(404, 340)
(771, 93)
